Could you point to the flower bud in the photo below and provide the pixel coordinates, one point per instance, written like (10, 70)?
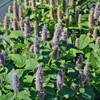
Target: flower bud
(95, 33)
(20, 12)
(70, 20)
(77, 42)
(79, 20)
(60, 79)
(16, 83)
(6, 23)
(9, 9)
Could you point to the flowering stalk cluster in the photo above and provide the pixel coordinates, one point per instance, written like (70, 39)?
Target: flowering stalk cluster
(16, 83)
(95, 33)
(20, 12)
(56, 54)
(27, 28)
(39, 82)
(15, 25)
(36, 45)
(79, 61)
(60, 79)
(6, 23)
(15, 10)
(64, 37)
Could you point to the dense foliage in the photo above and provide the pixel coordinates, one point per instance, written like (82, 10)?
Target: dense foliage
(50, 50)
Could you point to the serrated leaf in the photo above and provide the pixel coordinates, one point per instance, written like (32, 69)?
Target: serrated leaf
(18, 60)
(16, 34)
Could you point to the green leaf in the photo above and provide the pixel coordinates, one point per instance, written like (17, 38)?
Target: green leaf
(19, 60)
(88, 94)
(16, 34)
(83, 41)
(31, 64)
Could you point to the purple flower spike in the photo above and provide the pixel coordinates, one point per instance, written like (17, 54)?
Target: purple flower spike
(15, 25)
(20, 12)
(95, 33)
(79, 61)
(36, 28)
(44, 33)
(2, 60)
(6, 23)
(39, 78)
(4, 54)
(15, 10)
(56, 52)
(16, 83)
(85, 73)
(91, 18)
(36, 45)
(42, 94)
(60, 79)
(27, 28)
(64, 37)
